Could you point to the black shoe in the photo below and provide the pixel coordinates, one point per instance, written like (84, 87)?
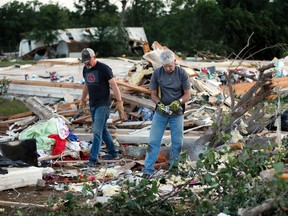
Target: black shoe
(111, 157)
(92, 163)
(146, 176)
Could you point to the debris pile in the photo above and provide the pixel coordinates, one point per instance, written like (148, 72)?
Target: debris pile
(62, 136)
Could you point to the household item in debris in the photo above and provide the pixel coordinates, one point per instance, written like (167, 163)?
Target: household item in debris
(24, 150)
(26, 77)
(53, 76)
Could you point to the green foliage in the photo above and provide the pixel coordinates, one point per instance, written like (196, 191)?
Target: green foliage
(141, 199)
(46, 28)
(229, 181)
(15, 19)
(234, 182)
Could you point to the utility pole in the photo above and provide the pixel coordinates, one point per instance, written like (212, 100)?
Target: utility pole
(124, 2)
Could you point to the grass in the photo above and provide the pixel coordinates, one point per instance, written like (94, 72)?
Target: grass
(18, 62)
(11, 107)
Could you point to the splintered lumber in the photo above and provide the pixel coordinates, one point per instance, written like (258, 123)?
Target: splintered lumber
(136, 101)
(21, 204)
(37, 107)
(124, 136)
(20, 115)
(24, 122)
(179, 61)
(44, 83)
(20, 177)
(133, 124)
(242, 88)
(59, 89)
(69, 99)
(134, 87)
(48, 89)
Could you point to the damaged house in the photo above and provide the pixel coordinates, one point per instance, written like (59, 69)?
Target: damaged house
(70, 42)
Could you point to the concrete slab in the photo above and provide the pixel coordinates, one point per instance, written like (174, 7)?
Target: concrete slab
(20, 177)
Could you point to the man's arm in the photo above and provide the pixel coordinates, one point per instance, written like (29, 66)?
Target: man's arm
(186, 96)
(117, 95)
(115, 89)
(84, 94)
(154, 96)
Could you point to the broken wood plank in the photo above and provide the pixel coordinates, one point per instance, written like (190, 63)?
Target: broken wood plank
(45, 83)
(123, 136)
(136, 101)
(37, 107)
(20, 115)
(134, 87)
(242, 88)
(21, 204)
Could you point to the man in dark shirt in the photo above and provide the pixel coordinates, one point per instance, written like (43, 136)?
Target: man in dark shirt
(98, 80)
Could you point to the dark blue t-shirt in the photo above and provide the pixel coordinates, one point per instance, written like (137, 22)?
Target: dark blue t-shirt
(96, 80)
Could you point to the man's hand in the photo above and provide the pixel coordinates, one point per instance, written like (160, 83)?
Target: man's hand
(81, 107)
(175, 106)
(120, 109)
(161, 106)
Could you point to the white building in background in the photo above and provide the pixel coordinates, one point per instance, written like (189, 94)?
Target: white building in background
(70, 42)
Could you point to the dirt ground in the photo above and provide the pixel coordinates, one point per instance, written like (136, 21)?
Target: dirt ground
(20, 199)
(39, 200)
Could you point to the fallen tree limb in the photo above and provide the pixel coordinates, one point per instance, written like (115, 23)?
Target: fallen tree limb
(258, 210)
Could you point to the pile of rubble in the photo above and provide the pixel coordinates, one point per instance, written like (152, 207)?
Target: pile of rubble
(228, 101)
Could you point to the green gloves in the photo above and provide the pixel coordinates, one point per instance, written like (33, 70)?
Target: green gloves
(161, 106)
(175, 106)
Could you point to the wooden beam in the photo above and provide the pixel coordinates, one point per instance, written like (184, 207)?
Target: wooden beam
(44, 83)
(21, 204)
(20, 115)
(134, 87)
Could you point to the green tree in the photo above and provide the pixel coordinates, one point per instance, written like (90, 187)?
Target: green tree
(104, 16)
(46, 29)
(197, 25)
(16, 19)
(149, 15)
(252, 6)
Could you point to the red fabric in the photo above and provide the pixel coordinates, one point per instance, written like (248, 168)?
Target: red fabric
(59, 145)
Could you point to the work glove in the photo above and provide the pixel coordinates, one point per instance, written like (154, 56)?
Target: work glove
(120, 108)
(161, 106)
(164, 109)
(175, 106)
(81, 107)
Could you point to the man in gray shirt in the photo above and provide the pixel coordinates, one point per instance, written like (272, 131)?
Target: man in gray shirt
(170, 90)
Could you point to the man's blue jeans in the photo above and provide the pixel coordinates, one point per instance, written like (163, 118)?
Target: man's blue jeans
(99, 115)
(159, 124)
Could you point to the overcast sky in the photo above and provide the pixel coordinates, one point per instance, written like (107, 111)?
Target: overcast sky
(65, 3)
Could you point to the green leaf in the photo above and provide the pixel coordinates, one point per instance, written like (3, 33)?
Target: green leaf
(208, 177)
(278, 167)
(154, 187)
(69, 196)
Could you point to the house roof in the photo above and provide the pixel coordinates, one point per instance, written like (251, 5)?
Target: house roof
(86, 34)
